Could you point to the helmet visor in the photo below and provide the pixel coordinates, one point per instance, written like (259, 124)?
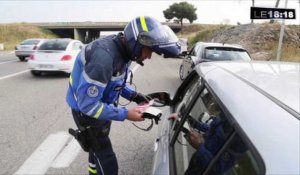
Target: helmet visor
(159, 36)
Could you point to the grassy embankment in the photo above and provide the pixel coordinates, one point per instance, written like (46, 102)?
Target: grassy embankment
(13, 34)
(290, 50)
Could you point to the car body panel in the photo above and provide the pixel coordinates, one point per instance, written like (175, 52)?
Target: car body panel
(261, 116)
(161, 150)
(273, 78)
(263, 100)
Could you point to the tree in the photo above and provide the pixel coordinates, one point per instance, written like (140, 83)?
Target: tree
(180, 11)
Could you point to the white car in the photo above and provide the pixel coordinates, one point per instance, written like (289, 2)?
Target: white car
(244, 118)
(55, 55)
(27, 47)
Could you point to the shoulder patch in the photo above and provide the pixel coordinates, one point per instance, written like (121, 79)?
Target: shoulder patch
(92, 91)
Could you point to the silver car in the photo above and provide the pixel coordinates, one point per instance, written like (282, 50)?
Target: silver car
(203, 52)
(27, 47)
(233, 118)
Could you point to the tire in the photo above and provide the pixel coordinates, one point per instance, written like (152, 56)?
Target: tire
(22, 58)
(181, 72)
(36, 73)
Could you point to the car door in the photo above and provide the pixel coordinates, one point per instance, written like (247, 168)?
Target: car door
(161, 147)
(223, 147)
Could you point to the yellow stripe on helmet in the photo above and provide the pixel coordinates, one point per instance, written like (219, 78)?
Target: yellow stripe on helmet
(143, 23)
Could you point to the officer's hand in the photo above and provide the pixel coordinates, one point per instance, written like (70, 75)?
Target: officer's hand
(135, 114)
(139, 98)
(195, 139)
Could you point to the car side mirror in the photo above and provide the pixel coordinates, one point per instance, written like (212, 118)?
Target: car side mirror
(184, 53)
(161, 98)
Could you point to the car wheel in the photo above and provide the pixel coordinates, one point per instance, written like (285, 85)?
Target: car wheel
(36, 73)
(22, 58)
(181, 72)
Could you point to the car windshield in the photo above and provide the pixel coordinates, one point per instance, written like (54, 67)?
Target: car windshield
(30, 42)
(55, 45)
(226, 53)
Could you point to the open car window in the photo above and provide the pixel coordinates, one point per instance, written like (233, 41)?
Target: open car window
(215, 153)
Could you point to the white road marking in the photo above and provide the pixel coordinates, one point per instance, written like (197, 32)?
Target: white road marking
(12, 75)
(9, 61)
(66, 157)
(43, 156)
(7, 53)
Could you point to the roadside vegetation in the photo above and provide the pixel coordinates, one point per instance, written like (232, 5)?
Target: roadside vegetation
(261, 40)
(13, 34)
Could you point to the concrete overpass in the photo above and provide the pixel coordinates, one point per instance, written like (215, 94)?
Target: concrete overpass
(88, 31)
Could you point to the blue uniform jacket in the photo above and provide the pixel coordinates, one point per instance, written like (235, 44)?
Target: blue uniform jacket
(98, 78)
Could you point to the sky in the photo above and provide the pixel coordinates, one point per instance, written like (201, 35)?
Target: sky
(208, 11)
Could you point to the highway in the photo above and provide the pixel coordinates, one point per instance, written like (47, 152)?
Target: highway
(35, 119)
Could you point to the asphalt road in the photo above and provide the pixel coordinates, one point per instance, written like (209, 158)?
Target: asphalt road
(35, 119)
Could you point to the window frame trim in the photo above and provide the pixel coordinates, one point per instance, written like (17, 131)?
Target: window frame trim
(237, 130)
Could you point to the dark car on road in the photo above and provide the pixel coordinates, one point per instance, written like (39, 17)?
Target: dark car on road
(203, 52)
(245, 116)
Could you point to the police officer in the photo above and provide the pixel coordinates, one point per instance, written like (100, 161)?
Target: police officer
(98, 79)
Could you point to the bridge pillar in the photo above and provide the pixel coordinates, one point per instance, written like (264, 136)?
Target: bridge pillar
(92, 35)
(79, 34)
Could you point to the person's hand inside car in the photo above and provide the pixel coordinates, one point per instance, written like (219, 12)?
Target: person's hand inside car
(195, 139)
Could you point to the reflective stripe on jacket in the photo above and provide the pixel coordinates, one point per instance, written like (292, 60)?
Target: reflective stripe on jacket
(98, 78)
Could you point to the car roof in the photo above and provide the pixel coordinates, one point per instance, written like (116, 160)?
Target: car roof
(34, 39)
(211, 44)
(63, 39)
(60, 39)
(263, 98)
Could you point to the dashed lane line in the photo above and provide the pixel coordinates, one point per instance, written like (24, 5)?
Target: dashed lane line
(6, 53)
(12, 75)
(9, 61)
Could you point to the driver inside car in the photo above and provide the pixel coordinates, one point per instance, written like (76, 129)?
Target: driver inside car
(205, 137)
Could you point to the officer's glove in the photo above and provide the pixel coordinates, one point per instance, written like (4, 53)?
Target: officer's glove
(139, 98)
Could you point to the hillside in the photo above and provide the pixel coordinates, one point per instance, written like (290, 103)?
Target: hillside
(12, 34)
(261, 40)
